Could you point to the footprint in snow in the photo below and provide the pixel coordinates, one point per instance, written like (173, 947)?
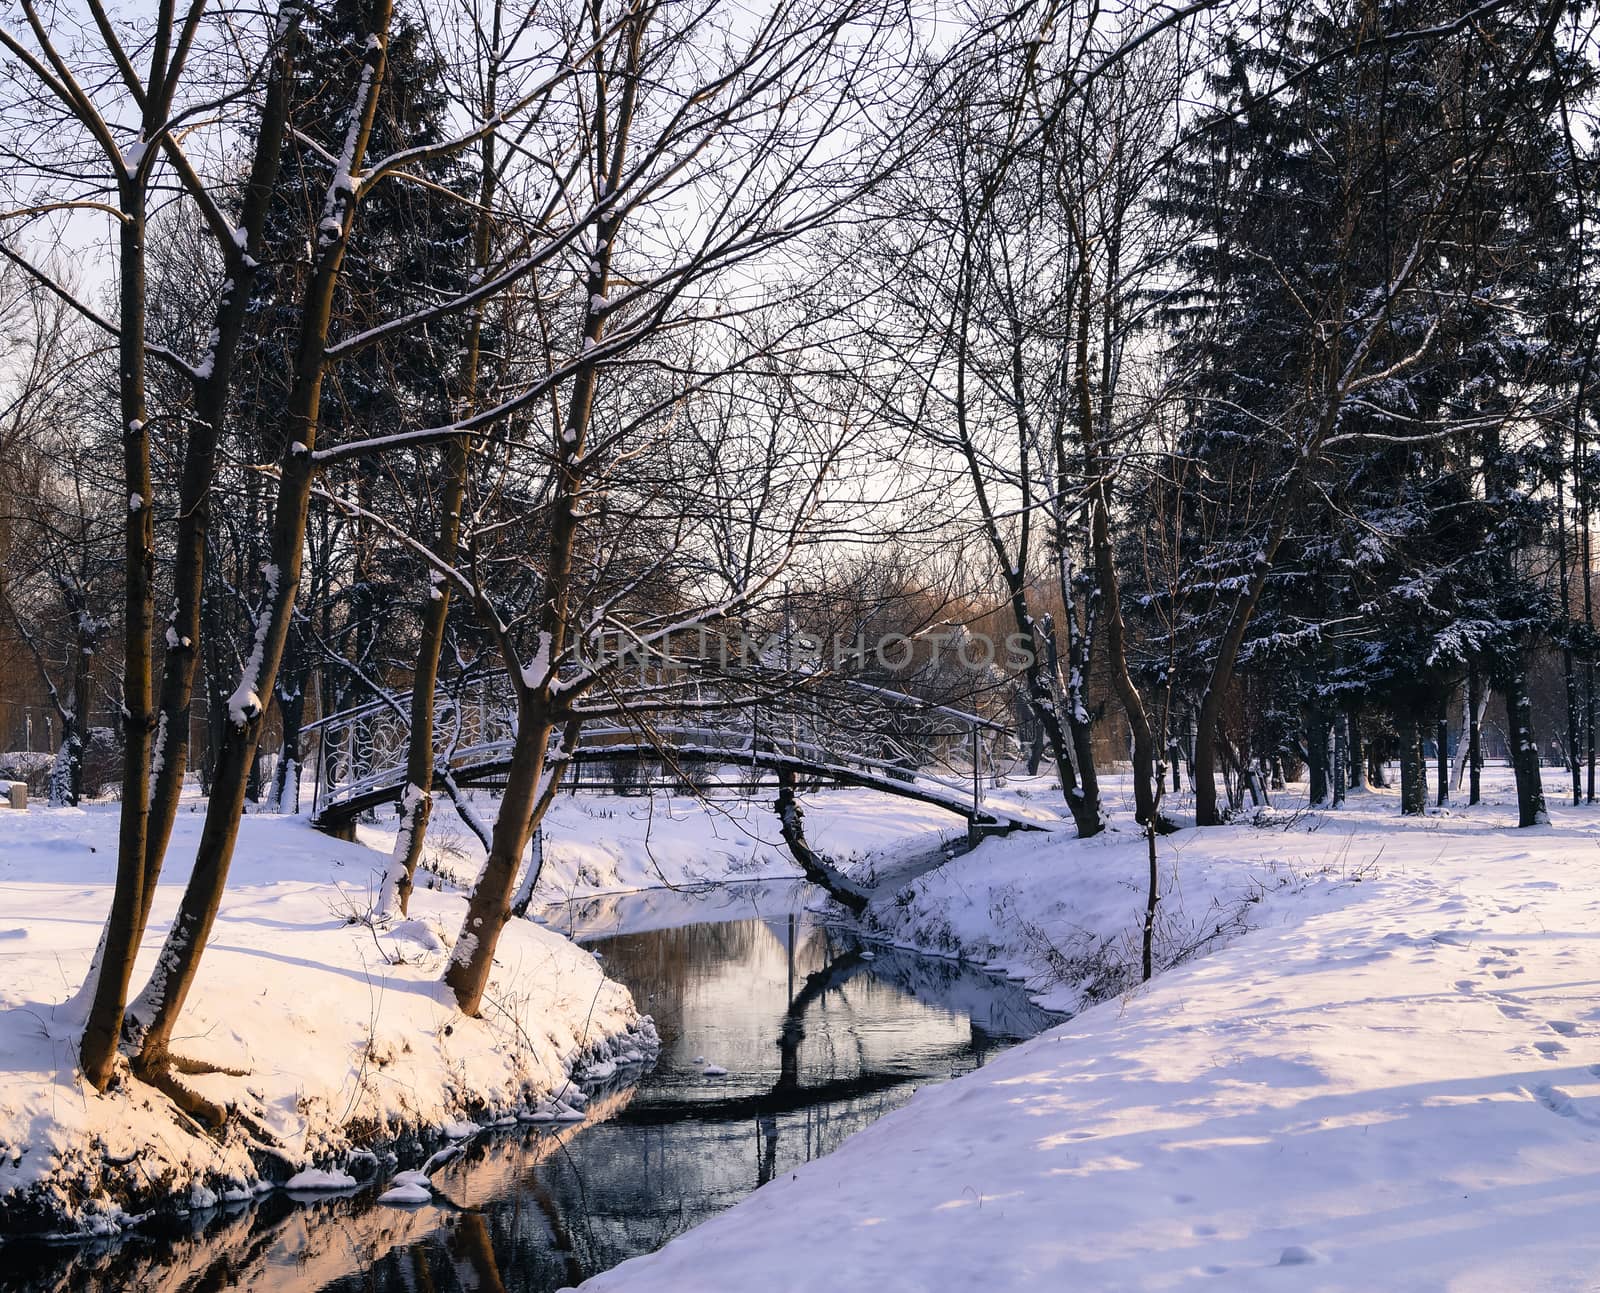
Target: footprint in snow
(1556, 1100)
(1563, 1026)
(1296, 1255)
(1550, 1048)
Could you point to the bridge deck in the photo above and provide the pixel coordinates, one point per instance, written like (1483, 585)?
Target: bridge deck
(481, 765)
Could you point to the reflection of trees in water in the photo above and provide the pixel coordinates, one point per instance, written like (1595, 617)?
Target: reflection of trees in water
(662, 966)
(270, 1246)
(543, 1211)
(340, 1242)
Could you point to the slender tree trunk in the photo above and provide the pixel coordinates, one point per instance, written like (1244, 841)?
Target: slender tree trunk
(1341, 757)
(1317, 754)
(159, 1006)
(1152, 896)
(122, 932)
(1221, 677)
(1442, 737)
(1475, 705)
(75, 722)
(822, 873)
(1146, 792)
(204, 432)
(489, 906)
(1358, 757)
(416, 806)
(1568, 670)
(291, 695)
(1588, 619)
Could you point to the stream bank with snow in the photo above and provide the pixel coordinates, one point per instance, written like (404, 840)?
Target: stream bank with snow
(1391, 1080)
(332, 1040)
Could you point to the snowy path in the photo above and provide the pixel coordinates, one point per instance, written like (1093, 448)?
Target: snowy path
(1393, 1083)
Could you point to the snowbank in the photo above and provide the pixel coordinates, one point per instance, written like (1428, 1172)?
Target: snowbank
(340, 1035)
(1067, 915)
(1390, 1082)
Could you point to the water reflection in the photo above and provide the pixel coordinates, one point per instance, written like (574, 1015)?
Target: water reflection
(819, 1033)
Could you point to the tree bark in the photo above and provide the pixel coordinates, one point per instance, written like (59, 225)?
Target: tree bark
(1475, 702)
(416, 806)
(1341, 759)
(1317, 754)
(1442, 737)
(1146, 792)
(120, 943)
(1513, 685)
(489, 905)
(1413, 776)
(156, 1013)
(211, 390)
(818, 870)
(1221, 676)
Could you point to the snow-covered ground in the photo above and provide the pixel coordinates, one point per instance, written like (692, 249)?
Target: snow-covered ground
(1392, 1081)
(342, 1035)
(595, 843)
(1365, 1064)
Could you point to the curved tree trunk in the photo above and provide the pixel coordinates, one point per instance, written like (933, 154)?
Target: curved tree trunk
(818, 870)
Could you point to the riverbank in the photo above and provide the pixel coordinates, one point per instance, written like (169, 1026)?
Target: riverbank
(1390, 1081)
(333, 1037)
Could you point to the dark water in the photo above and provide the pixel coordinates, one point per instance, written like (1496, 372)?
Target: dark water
(820, 1035)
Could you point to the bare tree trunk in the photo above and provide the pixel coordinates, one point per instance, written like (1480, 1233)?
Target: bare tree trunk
(489, 905)
(1317, 755)
(211, 389)
(416, 806)
(1341, 759)
(120, 944)
(1442, 737)
(291, 695)
(1475, 706)
(818, 870)
(1568, 670)
(157, 1011)
(1146, 791)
